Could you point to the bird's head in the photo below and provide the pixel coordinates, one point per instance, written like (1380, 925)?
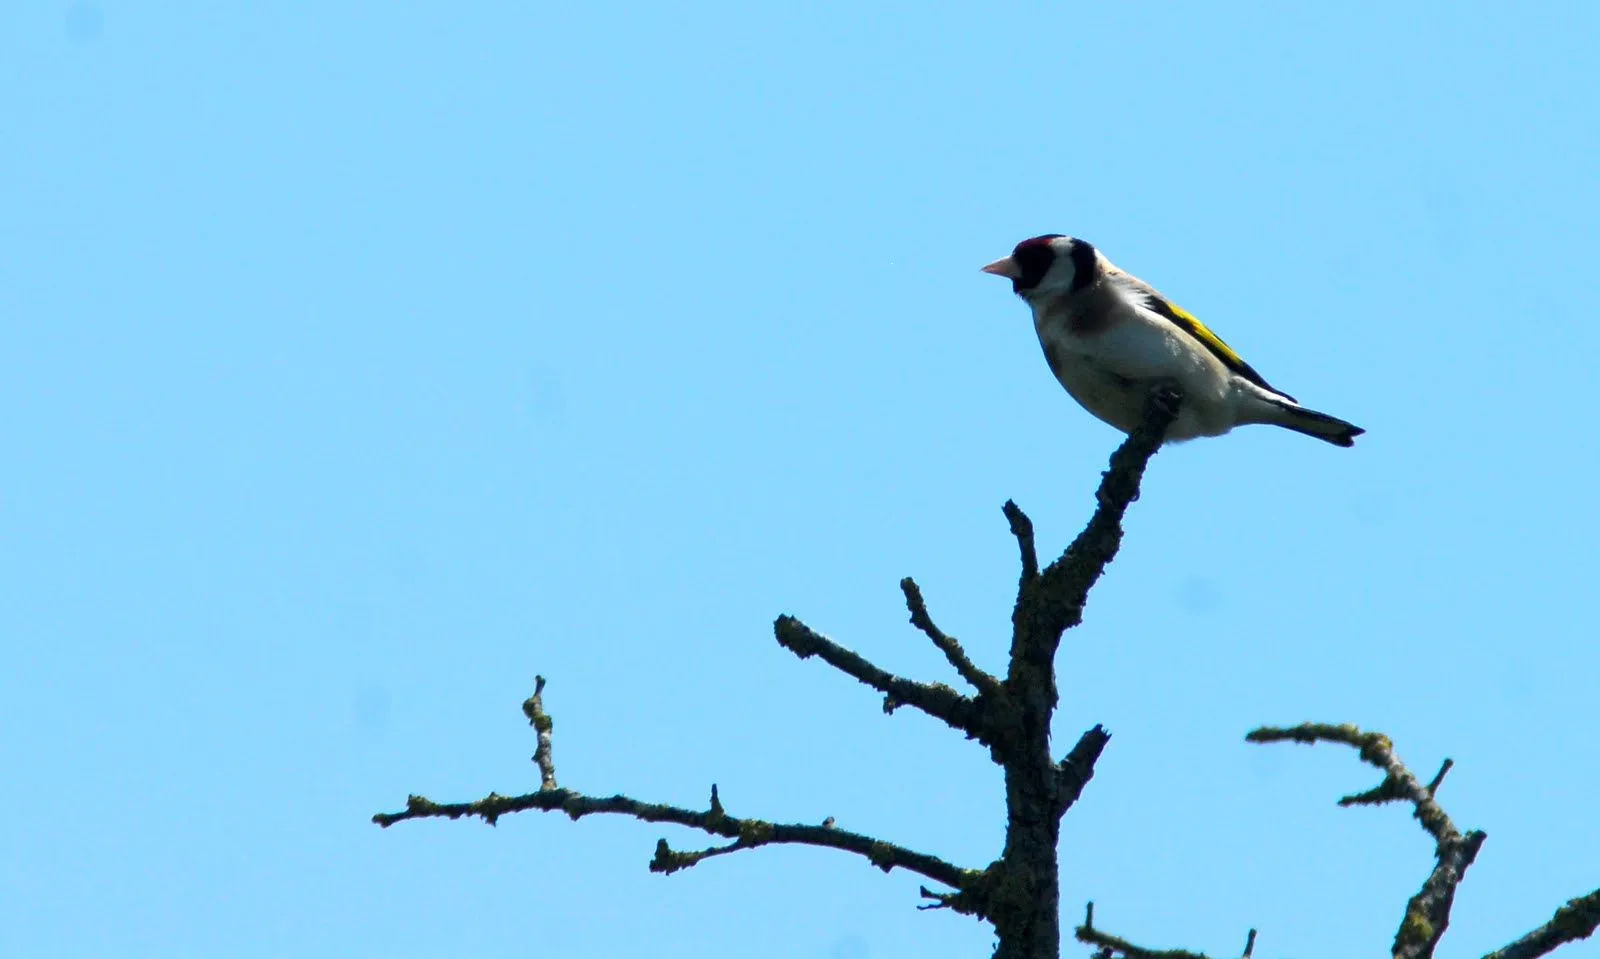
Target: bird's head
(1052, 265)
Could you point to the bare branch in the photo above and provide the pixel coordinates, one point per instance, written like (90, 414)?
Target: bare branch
(750, 833)
(1438, 777)
(1387, 791)
(1427, 914)
(1019, 893)
(1111, 946)
(1022, 529)
(1075, 771)
(746, 833)
(1052, 603)
(935, 699)
(1578, 919)
(533, 708)
(982, 681)
(668, 861)
(1376, 750)
(1026, 892)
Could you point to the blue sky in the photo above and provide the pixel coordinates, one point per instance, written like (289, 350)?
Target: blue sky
(363, 360)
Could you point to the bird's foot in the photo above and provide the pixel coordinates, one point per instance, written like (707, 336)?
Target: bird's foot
(1166, 394)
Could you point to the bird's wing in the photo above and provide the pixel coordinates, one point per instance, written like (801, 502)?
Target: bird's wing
(1148, 297)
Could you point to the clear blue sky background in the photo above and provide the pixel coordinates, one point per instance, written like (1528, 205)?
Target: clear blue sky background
(362, 360)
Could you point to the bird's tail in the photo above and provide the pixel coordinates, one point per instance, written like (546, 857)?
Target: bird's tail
(1310, 422)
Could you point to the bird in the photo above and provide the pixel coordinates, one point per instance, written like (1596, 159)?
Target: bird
(1110, 337)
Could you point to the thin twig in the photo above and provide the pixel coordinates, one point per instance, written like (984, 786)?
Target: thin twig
(1438, 777)
(935, 699)
(949, 645)
(533, 708)
(668, 861)
(1111, 946)
(1022, 529)
(941, 900)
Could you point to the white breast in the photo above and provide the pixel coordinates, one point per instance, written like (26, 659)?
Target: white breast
(1108, 366)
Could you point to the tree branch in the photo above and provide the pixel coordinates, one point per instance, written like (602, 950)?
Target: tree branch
(1578, 919)
(980, 680)
(747, 833)
(1438, 777)
(1051, 603)
(1022, 529)
(935, 699)
(1376, 750)
(533, 708)
(1019, 893)
(1112, 946)
(1427, 914)
(1026, 896)
(1077, 768)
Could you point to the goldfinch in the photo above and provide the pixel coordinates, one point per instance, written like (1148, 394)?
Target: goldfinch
(1108, 335)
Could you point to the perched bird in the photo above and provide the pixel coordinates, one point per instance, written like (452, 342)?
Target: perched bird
(1108, 336)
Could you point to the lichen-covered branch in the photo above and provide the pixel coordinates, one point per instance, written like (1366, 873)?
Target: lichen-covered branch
(1427, 915)
(747, 833)
(1026, 885)
(935, 699)
(947, 644)
(1019, 892)
(1375, 749)
(1577, 920)
(1052, 602)
(750, 833)
(533, 708)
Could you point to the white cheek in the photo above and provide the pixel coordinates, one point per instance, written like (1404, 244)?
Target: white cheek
(1058, 279)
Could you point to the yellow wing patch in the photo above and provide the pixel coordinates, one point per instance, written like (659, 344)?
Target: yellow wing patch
(1191, 325)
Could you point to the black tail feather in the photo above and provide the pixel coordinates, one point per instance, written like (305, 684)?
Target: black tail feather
(1330, 429)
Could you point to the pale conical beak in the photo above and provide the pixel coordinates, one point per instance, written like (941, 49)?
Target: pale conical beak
(1006, 267)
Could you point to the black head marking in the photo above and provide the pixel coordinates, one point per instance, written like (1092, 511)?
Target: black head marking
(1085, 265)
(1034, 256)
